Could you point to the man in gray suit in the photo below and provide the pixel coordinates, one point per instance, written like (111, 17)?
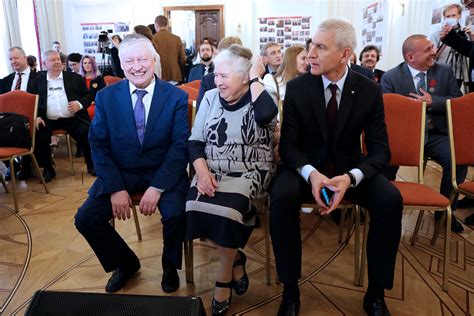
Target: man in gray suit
(421, 78)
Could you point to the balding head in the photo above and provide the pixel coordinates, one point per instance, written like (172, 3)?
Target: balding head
(17, 58)
(419, 52)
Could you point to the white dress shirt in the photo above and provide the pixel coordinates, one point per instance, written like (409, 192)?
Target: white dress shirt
(57, 99)
(24, 79)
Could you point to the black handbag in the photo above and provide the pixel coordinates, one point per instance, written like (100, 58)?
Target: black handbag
(14, 130)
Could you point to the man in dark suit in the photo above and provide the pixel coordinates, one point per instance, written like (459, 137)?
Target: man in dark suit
(206, 66)
(420, 77)
(369, 57)
(326, 111)
(63, 102)
(139, 144)
(20, 79)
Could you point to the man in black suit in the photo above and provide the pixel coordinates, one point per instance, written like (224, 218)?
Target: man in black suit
(63, 99)
(20, 79)
(326, 111)
(369, 57)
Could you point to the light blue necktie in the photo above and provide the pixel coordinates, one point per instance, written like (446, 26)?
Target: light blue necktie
(139, 113)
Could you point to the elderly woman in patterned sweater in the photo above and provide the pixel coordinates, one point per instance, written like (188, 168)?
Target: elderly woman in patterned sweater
(231, 149)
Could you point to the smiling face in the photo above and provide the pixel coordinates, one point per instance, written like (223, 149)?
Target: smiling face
(87, 65)
(369, 59)
(53, 64)
(232, 85)
(17, 60)
(422, 54)
(138, 64)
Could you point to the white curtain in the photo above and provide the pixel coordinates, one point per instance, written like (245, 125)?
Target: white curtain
(12, 25)
(50, 19)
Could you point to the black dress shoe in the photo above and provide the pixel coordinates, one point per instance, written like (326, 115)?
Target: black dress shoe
(170, 281)
(241, 285)
(469, 220)
(48, 174)
(456, 226)
(91, 171)
(23, 174)
(375, 307)
(78, 154)
(466, 202)
(289, 307)
(221, 308)
(119, 279)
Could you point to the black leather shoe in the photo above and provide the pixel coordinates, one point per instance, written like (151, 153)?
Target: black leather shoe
(48, 174)
(466, 203)
(78, 154)
(119, 279)
(221, 308)
(241, 285)
(375, 307)
(170, 281)
(456, 226)
(91, 171)
(289, 307)
(24, 174)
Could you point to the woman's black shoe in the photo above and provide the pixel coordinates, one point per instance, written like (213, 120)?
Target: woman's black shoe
(240, 286)
(220, 308)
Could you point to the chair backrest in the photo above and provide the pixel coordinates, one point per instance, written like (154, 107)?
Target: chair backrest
(194, 84)
(111, 80)
(193, 93)
(405, 120)
(23, 103)
(460, 113)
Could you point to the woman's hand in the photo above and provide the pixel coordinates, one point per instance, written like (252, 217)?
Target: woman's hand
(206, 183)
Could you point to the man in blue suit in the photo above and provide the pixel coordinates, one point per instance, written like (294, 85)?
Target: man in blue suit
(139, 144)
(420, 77)
(206, 66)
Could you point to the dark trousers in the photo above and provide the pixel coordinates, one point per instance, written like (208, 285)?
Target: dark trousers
(437, 148)
(77, 127)
(92, 221)
(377, 195)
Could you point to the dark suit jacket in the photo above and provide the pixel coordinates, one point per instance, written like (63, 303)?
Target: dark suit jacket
(442, 85)
(363, 71)
(304, 134)
(207, 83)
(378, 75)
(8, 81)
(97, 84)
(464, 47)
(172, 56)
(197, 72)
(120, 161)
(75, 87)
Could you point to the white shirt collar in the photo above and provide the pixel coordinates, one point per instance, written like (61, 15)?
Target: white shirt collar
(25, 72)
(149, 89)
(48, 78)
(414, 72)
(339, 83)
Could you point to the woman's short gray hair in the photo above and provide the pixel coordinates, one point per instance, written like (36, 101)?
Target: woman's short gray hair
(239, 57)
(132, 39)
(344, 32)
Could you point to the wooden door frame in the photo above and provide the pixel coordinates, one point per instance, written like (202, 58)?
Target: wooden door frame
(219, 8)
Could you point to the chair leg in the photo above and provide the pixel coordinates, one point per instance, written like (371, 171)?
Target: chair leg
(137, 223)
(357, 248)
(266, 227)
(437, 229)
(38, 171)
(4, 183)
(189, 260)
(447, 249)
(342, 223)
(69, 150)
(414, 238)
(349, 224)
(13, 180)
(363, 257)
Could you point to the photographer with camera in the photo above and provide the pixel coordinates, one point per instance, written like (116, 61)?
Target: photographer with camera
(451, 37)
(448, 55)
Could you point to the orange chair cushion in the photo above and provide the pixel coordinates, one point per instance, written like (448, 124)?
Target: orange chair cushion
(7, 152)
(59, 132)
(415, 194)
(467, 186)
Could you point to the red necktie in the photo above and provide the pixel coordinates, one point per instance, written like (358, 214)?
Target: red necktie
(331, 110)
(18, 82)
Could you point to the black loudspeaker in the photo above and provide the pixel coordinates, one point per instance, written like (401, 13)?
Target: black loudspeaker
(53, 303)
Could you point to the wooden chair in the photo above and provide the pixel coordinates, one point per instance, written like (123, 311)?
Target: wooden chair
(194, 84)
(460, 112)
(59, 133)
(26, 104)
(111, 80)
(188, 244)
(405, 119)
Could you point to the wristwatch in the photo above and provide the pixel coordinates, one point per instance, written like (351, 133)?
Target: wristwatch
(353, 179)
(256, 79)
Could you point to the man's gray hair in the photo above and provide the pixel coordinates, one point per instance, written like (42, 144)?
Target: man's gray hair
(18, 48)
(132, 39)
(48, 52)
(239, 57)
(344, 32)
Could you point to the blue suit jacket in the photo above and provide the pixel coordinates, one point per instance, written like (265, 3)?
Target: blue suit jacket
(197, 72)
(441, 85)
(120, 161)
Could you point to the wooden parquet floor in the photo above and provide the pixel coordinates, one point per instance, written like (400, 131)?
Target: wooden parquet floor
(41, 249)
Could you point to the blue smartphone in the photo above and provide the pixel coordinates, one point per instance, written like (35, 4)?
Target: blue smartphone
(325, 195)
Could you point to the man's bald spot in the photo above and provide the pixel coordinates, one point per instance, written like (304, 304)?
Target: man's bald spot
(410, 43)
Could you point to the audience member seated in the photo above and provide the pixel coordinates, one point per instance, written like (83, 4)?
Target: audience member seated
(94, 81)
(207, 81)
(74, 61)
(32, 63)
(272, 57)
(63, 102)
(369, 58)
(21, 79)
(145, 31)
(420, 77)
(139, 144)
(231, 150)
(116, 67)
(205, 66)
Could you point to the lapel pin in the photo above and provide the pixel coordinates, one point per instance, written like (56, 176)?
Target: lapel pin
(352, 91)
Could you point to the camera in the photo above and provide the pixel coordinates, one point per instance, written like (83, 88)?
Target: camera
(104, 42)
(104, 36)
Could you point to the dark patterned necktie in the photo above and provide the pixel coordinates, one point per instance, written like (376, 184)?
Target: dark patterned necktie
(331, 110)
(139, 113)
(18, 82)
(422, 85)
